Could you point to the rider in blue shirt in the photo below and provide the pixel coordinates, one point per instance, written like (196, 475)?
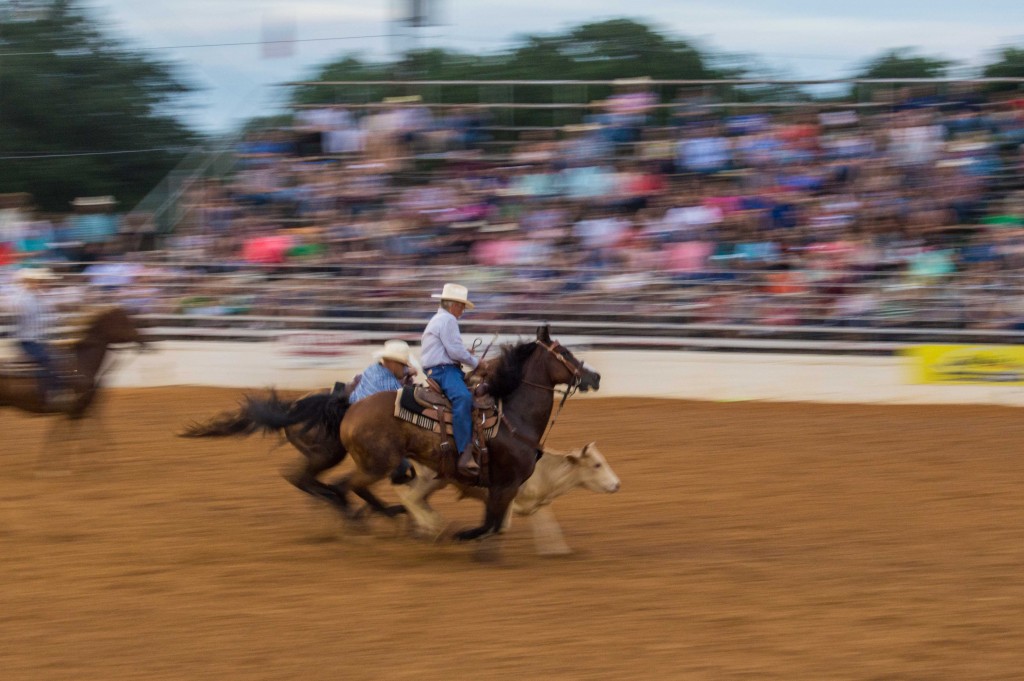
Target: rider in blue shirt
(392, 369)
(443, 355)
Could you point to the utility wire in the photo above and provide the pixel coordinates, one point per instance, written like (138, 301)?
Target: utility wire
(200, 45)
(35, 155)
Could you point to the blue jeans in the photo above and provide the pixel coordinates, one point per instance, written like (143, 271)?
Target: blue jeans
(49, 381)
(449, 377)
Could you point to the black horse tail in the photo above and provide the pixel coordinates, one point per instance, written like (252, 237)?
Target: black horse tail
(272, 414)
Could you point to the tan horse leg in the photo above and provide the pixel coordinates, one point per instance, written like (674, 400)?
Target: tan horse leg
(414, 494)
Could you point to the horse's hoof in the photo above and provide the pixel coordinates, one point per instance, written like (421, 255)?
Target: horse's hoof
(429, 534)
(470, 535)
(395, 510)
(357, 525)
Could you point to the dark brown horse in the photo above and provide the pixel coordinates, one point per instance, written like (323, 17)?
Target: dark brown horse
(523, 377)
(80, 365)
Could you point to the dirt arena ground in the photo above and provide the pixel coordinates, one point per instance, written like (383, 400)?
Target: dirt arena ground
(749, 541)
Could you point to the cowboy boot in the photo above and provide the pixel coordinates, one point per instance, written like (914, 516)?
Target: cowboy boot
(467, 465)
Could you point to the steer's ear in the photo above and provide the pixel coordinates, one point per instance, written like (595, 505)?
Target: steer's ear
(587, 447)
(574, 459)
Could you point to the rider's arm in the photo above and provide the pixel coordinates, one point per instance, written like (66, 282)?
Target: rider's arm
(451, 338)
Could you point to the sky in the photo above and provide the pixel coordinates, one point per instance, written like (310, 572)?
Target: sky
(217, 43)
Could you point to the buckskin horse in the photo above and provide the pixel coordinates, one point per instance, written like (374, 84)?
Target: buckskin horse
(524, 378)
(81, 365)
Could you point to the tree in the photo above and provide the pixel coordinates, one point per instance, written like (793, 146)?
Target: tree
(80, 113)
(903, 62)
(606, 50)
(1010, 65)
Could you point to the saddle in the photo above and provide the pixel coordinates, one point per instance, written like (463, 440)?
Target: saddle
(427, 407)
(19, 367)
(22, 366)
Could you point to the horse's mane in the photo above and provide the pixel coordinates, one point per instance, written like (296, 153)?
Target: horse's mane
(506, 372)
(94, 315)
(86, 321)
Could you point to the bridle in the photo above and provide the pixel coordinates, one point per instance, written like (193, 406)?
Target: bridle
(575, 369)
(577, 377)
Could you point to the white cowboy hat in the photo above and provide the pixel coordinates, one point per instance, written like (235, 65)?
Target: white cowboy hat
(395, 350)
(36, 274)
(456, 294)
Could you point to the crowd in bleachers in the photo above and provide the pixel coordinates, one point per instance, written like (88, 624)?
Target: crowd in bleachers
(912, 212)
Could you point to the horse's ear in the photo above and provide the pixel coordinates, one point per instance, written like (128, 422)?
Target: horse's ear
(544, 333)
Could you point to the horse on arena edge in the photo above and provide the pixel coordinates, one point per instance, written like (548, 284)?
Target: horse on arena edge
(525, 377)
(80, 361)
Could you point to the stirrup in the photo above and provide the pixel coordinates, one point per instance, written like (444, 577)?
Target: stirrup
(60, 400)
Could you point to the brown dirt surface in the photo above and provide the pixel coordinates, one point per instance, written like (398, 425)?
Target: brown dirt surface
(749, 541)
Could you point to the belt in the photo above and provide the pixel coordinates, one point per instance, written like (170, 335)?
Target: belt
(440, 366)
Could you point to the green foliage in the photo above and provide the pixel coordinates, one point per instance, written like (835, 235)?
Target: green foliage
(903, 62)
(1010, 65)
(607, 50)
(71, 94)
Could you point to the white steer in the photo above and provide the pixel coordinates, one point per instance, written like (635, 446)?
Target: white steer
(555, 474)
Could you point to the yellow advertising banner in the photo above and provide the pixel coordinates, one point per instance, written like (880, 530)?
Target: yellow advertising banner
(968, 364)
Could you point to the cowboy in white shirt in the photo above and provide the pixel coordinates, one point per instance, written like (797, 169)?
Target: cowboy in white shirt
(443, 354)
(34, 321)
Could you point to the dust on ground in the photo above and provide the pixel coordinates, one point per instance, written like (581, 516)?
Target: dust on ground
(749, 541)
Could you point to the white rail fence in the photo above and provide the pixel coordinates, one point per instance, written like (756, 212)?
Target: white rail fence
(678, 374)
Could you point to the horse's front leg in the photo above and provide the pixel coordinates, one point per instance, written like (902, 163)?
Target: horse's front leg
(61, 446)
(498, 501)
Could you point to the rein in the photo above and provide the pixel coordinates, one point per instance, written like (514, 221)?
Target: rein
(480, 363)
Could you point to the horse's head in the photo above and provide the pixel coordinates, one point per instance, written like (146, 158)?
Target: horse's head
(565, 367)
(115, 325)
(593, 470)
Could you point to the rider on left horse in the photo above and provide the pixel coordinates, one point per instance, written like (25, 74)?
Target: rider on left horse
(34, 322)
(392, 369)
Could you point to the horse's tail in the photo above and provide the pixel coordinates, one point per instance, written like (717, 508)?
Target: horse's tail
(272, 414)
